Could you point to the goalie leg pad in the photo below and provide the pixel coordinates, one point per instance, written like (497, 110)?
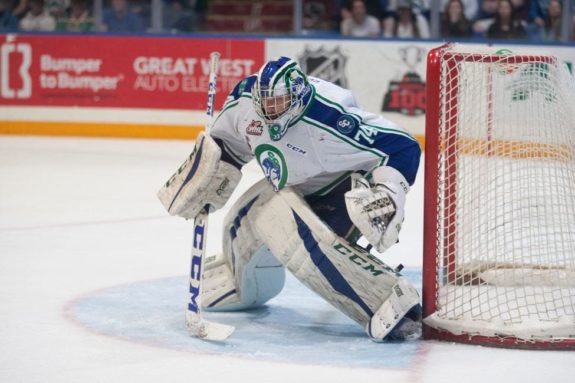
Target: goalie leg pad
(261, 279)
(246, 275)
(399, 317)
(203, 179)
(347, 277)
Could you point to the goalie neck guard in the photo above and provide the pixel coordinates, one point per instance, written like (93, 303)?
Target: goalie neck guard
(279, 94)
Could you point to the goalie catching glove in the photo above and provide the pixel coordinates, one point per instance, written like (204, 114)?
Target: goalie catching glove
(378, 209)
(202, 180)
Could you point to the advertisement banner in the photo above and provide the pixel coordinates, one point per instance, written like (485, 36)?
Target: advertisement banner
(112, 82)
(120, 71)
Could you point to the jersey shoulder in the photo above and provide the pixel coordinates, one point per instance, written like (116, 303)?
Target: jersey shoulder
(331, 91)
(330, 104)
(242, 88)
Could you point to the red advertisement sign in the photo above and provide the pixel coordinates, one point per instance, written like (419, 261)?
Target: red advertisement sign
(120, 71)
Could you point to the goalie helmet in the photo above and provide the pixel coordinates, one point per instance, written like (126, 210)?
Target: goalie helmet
(279, 94)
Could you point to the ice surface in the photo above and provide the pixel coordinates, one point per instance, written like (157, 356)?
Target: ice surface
(92, 275)
(282, 331)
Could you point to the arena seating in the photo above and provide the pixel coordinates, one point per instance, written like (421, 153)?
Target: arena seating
(250, 16)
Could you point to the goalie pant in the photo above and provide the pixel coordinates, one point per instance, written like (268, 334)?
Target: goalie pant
(266, 231)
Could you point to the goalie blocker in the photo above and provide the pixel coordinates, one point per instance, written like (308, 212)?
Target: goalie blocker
(247, 275)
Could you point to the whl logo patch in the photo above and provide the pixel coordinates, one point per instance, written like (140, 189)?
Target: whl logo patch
(273, 164)
(255, 128)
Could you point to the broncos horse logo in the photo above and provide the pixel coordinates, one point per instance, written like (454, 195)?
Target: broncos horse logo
(272, 169)
(273, 164)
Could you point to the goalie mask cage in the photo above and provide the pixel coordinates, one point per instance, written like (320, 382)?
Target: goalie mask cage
(499, 217)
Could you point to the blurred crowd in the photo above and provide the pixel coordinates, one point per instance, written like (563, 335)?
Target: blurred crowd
(79, 15)
(539, 20)
(535, 20)
(45, 15)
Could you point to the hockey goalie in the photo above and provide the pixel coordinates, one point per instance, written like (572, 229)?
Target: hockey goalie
(333, 173)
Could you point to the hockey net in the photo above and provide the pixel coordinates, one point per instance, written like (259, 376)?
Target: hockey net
(499, 246)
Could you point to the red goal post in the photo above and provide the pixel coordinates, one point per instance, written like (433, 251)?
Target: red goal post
(499, 216)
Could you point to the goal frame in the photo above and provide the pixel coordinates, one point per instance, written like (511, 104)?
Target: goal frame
(431, 234)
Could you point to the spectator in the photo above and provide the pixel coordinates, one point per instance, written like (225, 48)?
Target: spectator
(119, 18)
(37, 18)
(20, 9)
(172, 11)
(181, 16)
(359, 23)
(407, 23)
(8, 22)
(454, 23)
(373, 7)
(142, 8)
(506, 25)
(417, 6)
(521, 8)
(538, 12)
(551, 30)
(485, 17)
(77, 18)
(313, 15)
(470, 8)
(57, 8)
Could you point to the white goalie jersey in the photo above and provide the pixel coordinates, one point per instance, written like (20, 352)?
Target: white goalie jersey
(330, 139)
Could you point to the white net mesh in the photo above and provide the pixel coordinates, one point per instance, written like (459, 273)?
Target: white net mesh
(506, 203)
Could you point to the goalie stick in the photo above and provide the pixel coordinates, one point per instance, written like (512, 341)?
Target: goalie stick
(197, 325)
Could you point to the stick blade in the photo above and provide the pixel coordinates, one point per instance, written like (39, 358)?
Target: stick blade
(210, 330)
